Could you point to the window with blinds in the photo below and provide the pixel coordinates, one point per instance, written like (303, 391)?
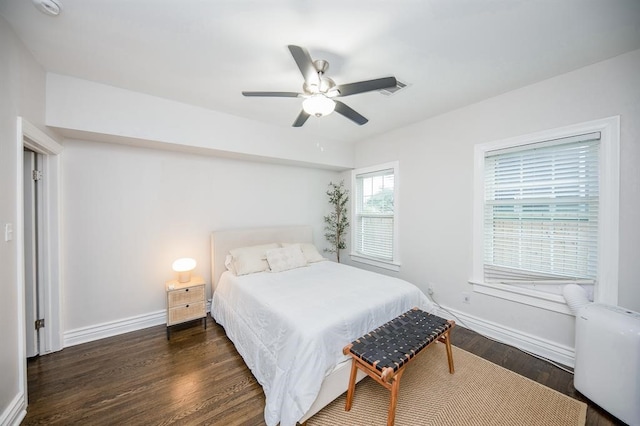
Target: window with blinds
(374, 214)
(541, 205)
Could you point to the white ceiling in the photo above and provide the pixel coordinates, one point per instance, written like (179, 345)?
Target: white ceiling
(450, 52)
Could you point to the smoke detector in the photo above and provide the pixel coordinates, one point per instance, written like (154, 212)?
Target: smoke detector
(48, 7)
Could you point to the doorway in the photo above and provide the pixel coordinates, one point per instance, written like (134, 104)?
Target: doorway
(39, 239)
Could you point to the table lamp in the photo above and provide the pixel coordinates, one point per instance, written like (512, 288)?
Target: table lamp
(183, 267)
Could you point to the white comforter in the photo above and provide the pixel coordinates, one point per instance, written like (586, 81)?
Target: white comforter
(290, 327)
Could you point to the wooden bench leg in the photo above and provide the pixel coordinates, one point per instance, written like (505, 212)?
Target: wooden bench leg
(395, 387)
(447, 342)
(352, 385)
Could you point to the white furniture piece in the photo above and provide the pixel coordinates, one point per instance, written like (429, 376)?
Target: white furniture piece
(185, 302)
(607, 369)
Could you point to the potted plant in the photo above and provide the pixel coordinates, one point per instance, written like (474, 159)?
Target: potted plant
(337, 222)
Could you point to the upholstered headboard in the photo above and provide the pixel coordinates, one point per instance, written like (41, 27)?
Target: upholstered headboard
(224, 241)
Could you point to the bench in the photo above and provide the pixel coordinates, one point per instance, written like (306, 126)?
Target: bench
(385, 352)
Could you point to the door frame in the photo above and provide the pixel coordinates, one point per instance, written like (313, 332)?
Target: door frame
(32, 245)
(28, 135)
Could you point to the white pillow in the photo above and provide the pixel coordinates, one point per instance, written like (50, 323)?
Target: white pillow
(247, 260)
(283, 259)
(310, 252)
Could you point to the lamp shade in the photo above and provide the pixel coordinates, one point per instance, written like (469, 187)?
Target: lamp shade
(318, 105)
(183, 267)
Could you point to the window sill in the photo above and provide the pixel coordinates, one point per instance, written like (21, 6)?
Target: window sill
(392, 266)
(548, 301)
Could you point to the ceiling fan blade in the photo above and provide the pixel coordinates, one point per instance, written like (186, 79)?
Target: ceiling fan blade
(302, 118)
(305, 64)
(366, 86)
(350, 113)
(274, 94)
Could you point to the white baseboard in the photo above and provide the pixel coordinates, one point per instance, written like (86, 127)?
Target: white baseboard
(114, 328)
(553, 351)
(15, 412)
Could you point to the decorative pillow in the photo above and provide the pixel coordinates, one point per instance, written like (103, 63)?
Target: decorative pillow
(310, 252)
(247, 260)
(283, 259)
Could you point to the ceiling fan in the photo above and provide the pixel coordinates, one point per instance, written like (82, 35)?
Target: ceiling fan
(319, 92)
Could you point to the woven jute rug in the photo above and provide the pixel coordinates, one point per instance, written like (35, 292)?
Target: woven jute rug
(478, 393)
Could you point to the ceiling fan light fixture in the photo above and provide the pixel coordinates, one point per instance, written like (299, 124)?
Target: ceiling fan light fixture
(318, 105)
(319, 90)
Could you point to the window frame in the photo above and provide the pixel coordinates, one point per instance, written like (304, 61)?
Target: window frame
(394, 264)
(606, 288)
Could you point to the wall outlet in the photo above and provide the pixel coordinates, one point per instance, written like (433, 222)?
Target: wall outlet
(466, 297)
(430, 289)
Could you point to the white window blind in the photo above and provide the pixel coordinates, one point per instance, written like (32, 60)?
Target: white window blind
(541, 212)
(374, 214)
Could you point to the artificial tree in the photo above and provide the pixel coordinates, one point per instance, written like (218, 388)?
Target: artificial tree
(337, 222)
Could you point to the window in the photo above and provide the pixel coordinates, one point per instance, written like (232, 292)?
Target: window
(547, 207)
(541, 212)
(375, 216)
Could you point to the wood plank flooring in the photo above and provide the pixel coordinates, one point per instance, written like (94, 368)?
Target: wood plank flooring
(140, 378)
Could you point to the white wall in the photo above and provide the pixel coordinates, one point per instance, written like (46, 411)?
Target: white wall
(22, 88)
(129, 212)
(436, 193)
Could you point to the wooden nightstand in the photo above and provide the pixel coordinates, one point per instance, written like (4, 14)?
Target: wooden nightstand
(185, 302)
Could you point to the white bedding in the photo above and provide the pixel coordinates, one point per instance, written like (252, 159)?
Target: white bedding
(290, 327)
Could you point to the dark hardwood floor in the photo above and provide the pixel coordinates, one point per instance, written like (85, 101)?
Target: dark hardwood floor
(140, 378)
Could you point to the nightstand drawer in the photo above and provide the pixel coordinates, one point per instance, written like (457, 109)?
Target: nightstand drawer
(185, 295)
(187, 312)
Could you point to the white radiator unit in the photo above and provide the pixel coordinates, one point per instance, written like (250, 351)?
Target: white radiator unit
(607, 368)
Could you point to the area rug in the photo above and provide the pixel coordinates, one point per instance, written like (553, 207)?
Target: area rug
(478, 393)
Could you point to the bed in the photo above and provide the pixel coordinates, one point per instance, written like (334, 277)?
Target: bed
(290, 326)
